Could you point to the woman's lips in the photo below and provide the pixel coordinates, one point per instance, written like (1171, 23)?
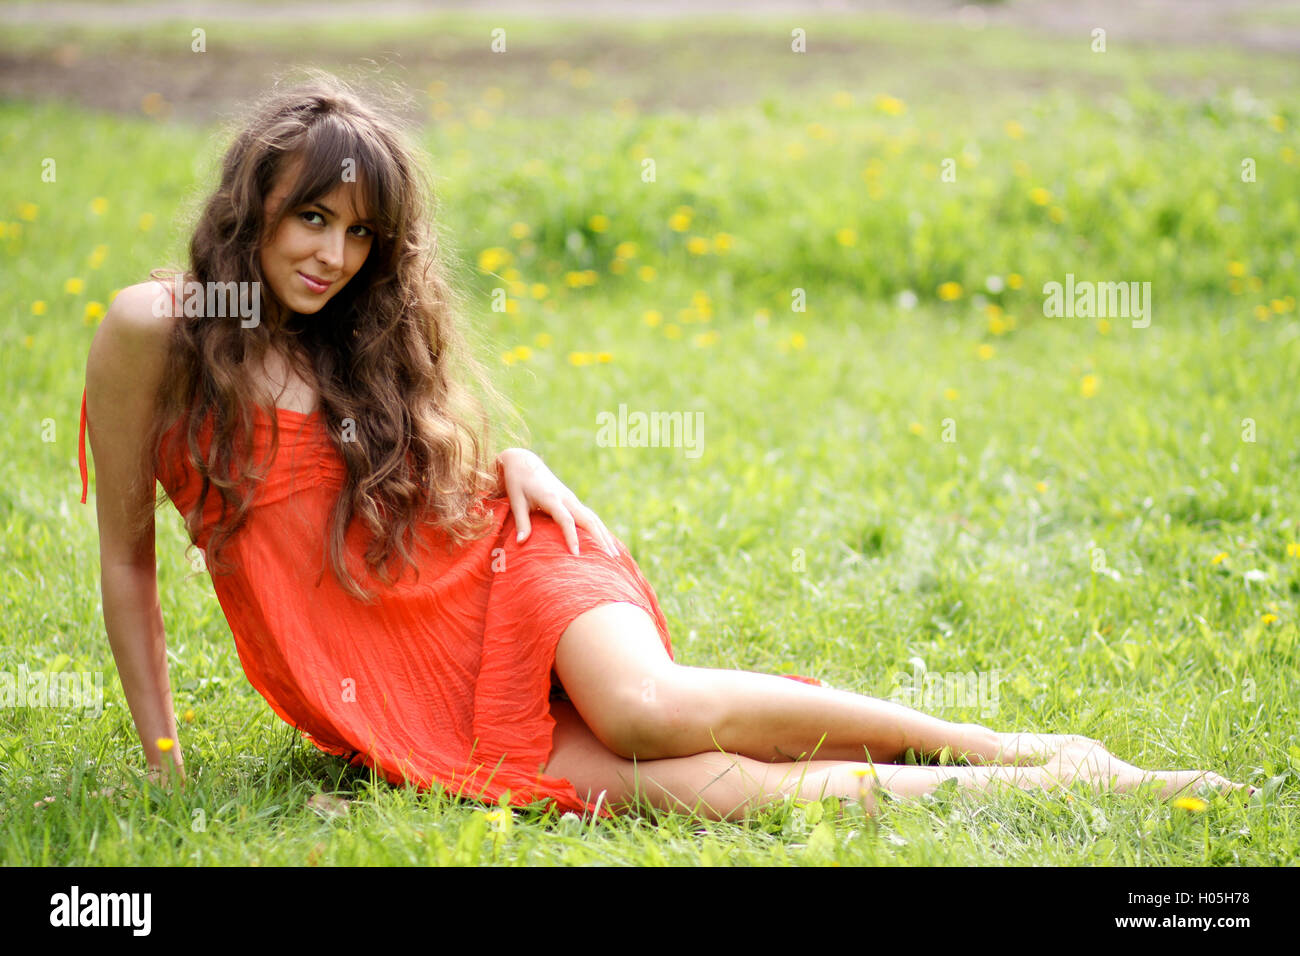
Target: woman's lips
(313, 285)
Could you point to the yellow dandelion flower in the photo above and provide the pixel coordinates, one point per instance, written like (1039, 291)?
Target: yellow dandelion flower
(1262, 313)
(97, 257)
(512, 306)
(1218, 558)
(1040, 487)
(686, 315)
(680, 220)
(523, 353)
(38, 307)
(94, 310)
(705, 339)
(1254, 283)
(818, 131)
(1013, 129)
(950, 394)
(1103, 326)
(626, 250)
(950, 291)
(861, 772)
(1237, 269)
(1056, 214)
(797, 340)
(697, 246)
(153, 104)
(1278, 123)
(539, 290)
(589, 276)
(165, 743)
(1268, 618)
(520, 230)
(646, 273)
(145, 221)
(543, 339)
(1277, 305)
(99, 205)
(985, 352)
(27, 211)
(846, 237)
(652, 318)
(508, 358)
(1293, 550)
(1194, 804)
(27, 341)
(722, 242)
(604, 357)
(1014, 281)
(573, 280)
(188, 717)
(580, 358)
(996, 325)
(1088, 386)
(598, 223)
(493, 258)
(1039, 196)
(890, 105)
(74, 286)
(1288, 155)
(618, 266)
(916, 428)
(672, 331)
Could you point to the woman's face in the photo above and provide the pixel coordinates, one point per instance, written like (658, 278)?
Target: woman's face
(317, 247)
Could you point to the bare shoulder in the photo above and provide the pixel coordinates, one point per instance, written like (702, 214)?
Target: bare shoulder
(129, 351)
(142, 310)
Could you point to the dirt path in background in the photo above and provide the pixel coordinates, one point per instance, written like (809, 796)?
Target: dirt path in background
(200, 87)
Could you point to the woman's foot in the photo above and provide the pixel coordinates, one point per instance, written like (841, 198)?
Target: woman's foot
(1024, 749)
(1088, 761)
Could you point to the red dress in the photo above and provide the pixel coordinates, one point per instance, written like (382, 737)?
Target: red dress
(447, 679)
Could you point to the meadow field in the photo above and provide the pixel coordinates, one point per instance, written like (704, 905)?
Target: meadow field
(913, 481)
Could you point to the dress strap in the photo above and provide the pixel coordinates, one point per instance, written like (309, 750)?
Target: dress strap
(81, 450)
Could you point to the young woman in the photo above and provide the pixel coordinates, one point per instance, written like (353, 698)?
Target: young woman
(326, 436)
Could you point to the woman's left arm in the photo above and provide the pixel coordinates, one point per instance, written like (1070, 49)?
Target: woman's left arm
(529, 484)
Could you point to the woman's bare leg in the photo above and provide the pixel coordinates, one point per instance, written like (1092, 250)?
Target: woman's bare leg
(723, 786)
(638, 702)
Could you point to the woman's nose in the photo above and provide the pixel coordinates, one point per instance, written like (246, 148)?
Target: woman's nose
(330, 251)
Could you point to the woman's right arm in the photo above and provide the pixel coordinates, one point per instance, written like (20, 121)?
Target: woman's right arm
(123, 371)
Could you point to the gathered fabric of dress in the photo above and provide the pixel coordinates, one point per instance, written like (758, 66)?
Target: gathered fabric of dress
(446, 681)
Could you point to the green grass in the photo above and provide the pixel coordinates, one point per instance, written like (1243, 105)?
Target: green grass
(1065, 540)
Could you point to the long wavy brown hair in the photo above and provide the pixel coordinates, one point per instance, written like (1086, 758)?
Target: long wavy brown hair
(387, 351)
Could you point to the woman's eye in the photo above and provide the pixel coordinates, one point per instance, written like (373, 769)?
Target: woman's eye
(365, 233)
